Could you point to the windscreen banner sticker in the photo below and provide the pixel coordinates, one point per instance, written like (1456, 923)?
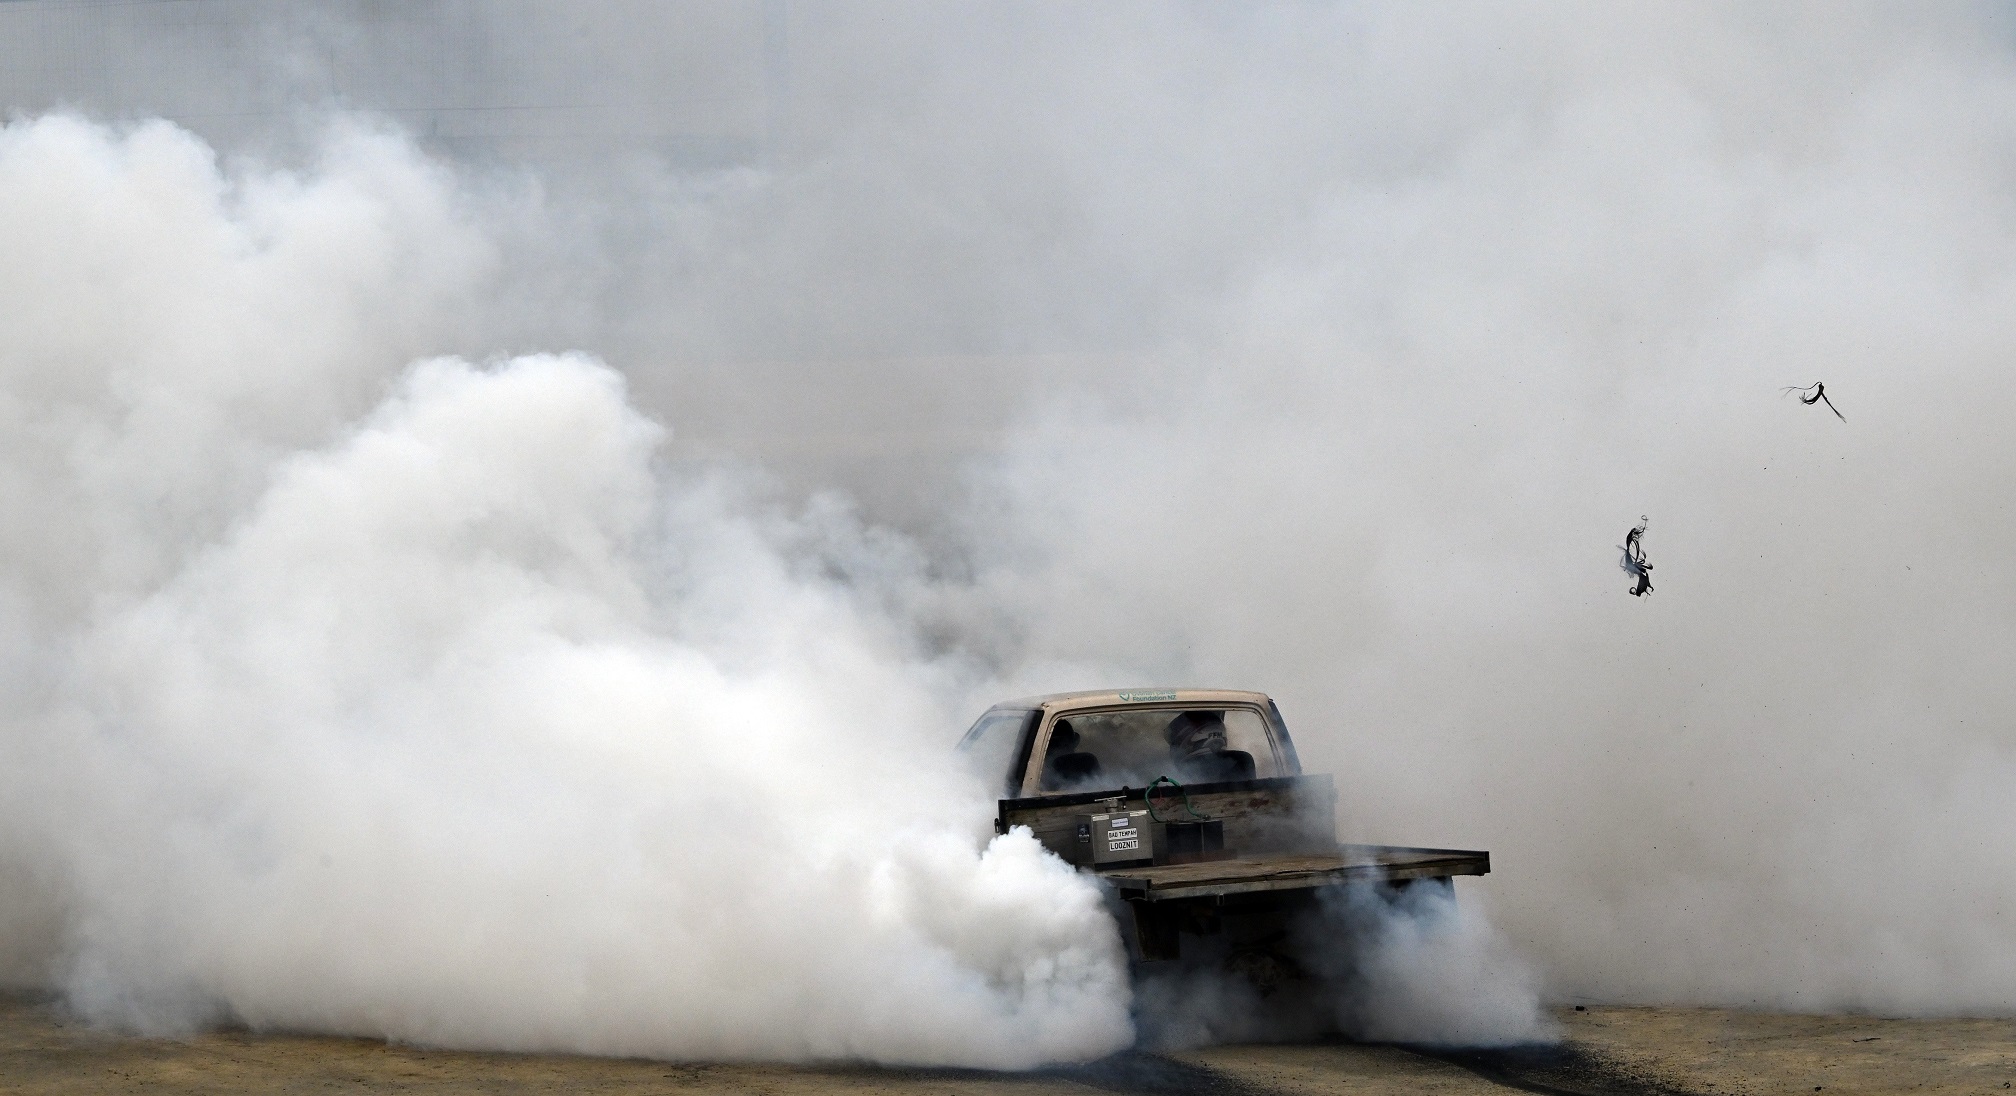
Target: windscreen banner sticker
(1148, 696)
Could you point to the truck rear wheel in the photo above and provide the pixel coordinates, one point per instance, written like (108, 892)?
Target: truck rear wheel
(1266, 969)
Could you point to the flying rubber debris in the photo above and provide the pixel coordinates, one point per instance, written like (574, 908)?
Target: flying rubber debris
(1819, 395)
(1634, 558)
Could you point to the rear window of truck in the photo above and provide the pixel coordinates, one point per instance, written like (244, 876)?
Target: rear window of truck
(1096, 751)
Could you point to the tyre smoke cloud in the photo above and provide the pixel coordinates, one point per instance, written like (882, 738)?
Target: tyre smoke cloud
(417, 701)
(1409, 965)
(1323, 350)
(1389, 491)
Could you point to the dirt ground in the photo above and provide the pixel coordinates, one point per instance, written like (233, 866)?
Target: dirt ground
(1658, 1051)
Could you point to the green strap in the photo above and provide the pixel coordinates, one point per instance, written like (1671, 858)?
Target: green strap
(1148, 796)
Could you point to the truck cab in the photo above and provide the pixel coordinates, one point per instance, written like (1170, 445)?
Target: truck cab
(1084, 741)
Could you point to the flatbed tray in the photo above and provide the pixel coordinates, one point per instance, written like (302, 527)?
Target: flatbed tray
(1298, 871)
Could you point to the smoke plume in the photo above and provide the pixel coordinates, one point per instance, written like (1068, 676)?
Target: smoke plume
(1417, 966)
(1323, 349)
(420, 702)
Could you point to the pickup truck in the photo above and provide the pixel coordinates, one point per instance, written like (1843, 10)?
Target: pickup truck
(1192, 806)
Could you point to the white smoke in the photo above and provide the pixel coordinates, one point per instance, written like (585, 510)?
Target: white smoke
(1554, 281)
(1358, 335)
(461, 722)
(1417, 966)
(1393, 965)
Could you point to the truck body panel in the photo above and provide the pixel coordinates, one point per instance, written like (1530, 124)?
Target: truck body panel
(1283, 814)
(1292, 871)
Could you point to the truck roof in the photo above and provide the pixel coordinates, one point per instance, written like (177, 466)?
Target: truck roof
(1106, 698)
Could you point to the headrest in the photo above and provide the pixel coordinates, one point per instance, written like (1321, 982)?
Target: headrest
(1188, 723)
(1063, 738)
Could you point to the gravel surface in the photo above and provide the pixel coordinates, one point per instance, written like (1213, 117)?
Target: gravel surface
(1647, 1051)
